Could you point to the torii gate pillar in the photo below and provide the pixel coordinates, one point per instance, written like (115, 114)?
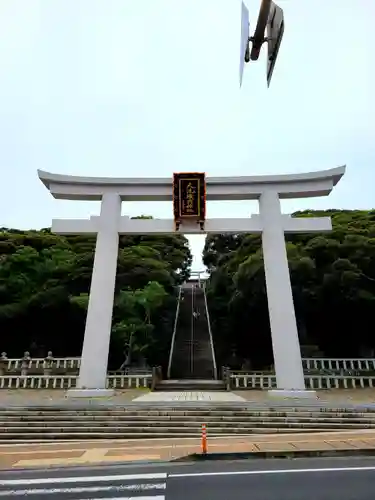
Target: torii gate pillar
(95, 350)
(285, 342)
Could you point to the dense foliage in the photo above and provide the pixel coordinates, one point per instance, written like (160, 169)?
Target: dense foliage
(333, 281)
(44, 285)
(45, 280)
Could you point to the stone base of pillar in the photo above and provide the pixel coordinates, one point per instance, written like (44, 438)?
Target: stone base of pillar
(292, 394)
(89, 393)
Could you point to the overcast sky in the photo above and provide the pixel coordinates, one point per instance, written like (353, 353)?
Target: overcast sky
(150, 87)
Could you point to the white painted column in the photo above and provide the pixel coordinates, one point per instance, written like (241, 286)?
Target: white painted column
(285, 342)
(93, 370)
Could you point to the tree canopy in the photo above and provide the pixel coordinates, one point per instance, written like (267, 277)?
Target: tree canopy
(333, 282)
(44, 286)
(45, 280)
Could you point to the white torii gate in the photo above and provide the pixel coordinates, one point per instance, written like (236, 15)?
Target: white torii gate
(197, 275)
(270, 222)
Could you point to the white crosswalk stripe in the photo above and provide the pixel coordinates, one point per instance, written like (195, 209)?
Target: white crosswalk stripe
(150, 486)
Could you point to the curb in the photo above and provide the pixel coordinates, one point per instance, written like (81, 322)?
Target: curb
(200, 457)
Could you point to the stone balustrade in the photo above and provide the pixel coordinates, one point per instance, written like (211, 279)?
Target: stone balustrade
(241, 381)
(70, 381)
(62, 373)
(29, 363)
(73, 363)
(237, 381)
(339, 364)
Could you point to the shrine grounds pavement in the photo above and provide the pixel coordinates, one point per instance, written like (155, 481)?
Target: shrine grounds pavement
(340, 398)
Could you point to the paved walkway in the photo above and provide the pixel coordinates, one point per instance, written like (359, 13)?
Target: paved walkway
(350, 396)
(24, 397)
(20, 397)
(105, 452)
(207, 396)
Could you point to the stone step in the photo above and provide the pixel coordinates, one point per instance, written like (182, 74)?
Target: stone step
(44, 413)
(31, 426)
(187, 418)
(196, 347)
(187, 387)
(6, 438)
(176, 426)
(253, 406)
(29, 419)
(195, 384)
(145, 433)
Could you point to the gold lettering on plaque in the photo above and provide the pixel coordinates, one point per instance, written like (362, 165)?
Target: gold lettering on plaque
(190, 193)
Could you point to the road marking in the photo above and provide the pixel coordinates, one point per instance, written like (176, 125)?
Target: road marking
(81, 479)
(277, 471)
(88, 489)
(154, 497)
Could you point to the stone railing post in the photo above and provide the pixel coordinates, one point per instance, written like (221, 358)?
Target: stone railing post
(156, 376)
(153, 381)
(25, 364)
(48, 364)
(226, 377)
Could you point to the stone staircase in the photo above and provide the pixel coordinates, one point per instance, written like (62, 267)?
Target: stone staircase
(192, 385)
(20, 425)
(192, 354)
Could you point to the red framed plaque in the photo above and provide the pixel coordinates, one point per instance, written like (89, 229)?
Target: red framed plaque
(189, 196)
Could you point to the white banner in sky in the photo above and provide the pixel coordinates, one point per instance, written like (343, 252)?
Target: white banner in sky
(245, 32)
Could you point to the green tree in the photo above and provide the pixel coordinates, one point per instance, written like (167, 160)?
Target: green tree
(44, 289)
(333, 282)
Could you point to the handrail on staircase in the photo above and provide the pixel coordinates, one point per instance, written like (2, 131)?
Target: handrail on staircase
(209, 331)
(174, 333)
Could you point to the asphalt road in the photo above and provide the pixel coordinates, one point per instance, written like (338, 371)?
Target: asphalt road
(300, 479)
